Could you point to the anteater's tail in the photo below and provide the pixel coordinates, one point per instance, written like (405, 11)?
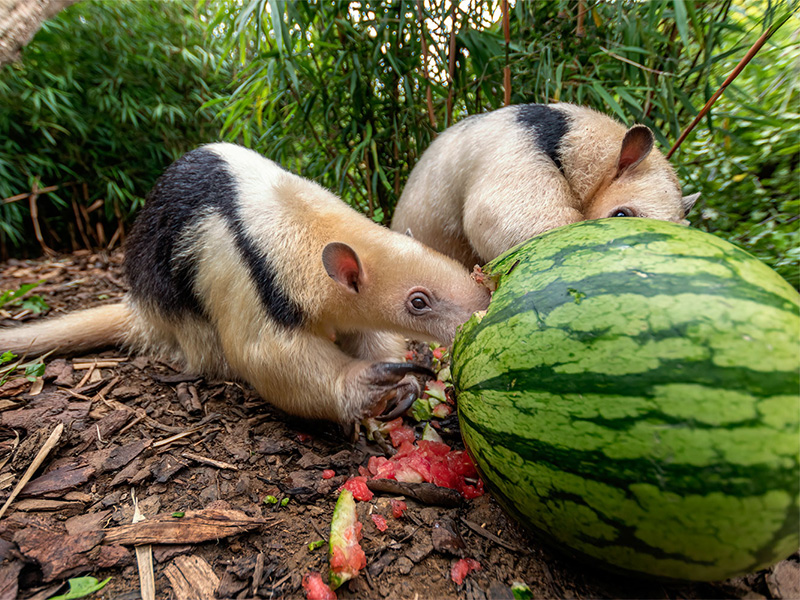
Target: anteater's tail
(81, 331)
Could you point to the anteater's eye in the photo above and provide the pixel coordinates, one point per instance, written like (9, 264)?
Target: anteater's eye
(622, 212)
(418, 302)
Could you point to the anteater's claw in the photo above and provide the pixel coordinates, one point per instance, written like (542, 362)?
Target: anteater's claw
(400, 407)
(395, 372)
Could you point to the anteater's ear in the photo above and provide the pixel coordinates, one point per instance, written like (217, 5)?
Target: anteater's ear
(342, 264)
(636, 145)
(409, 233)
(688, 202)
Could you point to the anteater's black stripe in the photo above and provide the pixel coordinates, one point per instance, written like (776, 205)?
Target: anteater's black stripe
(548, 126)
(196, 185)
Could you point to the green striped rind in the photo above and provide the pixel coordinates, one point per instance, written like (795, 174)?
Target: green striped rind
(632, 392)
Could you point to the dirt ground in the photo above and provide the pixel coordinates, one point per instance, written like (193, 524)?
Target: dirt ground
(134, 425)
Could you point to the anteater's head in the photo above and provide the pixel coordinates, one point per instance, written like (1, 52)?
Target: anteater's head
(642, 184)
(389, 281)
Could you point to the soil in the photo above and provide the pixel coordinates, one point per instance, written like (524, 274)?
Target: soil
(137, 426)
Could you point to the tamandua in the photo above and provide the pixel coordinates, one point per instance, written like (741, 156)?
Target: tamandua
(494, 180)
(245, 270)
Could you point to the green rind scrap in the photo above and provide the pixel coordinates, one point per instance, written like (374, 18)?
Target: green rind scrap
(344, 517)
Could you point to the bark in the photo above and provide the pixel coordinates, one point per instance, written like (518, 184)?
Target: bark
(19, 22)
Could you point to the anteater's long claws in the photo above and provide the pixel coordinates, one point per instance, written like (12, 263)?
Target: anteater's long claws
(400, 407)
(396, 371)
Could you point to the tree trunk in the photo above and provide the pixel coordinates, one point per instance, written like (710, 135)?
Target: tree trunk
(20, 20)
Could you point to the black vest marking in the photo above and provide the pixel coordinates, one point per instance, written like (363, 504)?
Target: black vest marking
(194, 186)
(548, 126)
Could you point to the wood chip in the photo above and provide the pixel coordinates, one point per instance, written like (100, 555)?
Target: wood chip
(66, 477)
(209, 461)
(492, 537)
(192, 578)
(784, 580)
(258, 573)
(144, 560)
(192, 528)
(9, 577)
(8, 405)
(51, 443)
(87, 522)
(62, 555)
(100, 364)
(175, 437)
(37, 387)
(103, 429)
(45, 505)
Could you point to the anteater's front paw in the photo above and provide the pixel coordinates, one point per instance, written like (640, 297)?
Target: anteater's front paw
(388, 389)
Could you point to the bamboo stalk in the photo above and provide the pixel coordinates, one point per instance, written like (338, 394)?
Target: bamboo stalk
(428, 94)
(580, 30)
(506, 68)
(451, 67)
(735, 73)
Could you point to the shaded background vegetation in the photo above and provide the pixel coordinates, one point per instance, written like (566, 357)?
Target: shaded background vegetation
(350, 94)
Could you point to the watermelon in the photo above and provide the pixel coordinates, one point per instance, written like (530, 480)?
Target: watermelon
(631, 394)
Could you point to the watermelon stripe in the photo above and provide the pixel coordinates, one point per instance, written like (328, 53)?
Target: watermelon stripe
(728, 478)
(722, 251)
(557, 293)
(545, 378)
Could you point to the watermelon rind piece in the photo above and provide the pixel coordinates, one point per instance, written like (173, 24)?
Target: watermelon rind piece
(631, 394)
(345, 555)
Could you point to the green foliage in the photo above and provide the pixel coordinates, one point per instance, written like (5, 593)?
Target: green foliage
(350, 94)
(33, 303)
(745, 158)
(338, 92)
(32, 370)
(106, 96)
(80, 587)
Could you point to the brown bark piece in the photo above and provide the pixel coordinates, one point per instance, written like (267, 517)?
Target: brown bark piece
(162, 554)
(18, 521)
(128, 473)
(58, 481)
(106, 427)
(192, 578)
(87, 522)
(60, 370)
(14, 387)
(192, 528)
(43, 505)
(53, 408)
(166, 468)
(446, 538)
(784, 581)
(61, 556)
(9, 578)
(114, 458)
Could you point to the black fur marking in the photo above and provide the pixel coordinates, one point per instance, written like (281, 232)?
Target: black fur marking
(548, 126)
(196, 185)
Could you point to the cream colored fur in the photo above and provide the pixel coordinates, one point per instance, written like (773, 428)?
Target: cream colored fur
(76, 332)
(302, 371)
(482, 188)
